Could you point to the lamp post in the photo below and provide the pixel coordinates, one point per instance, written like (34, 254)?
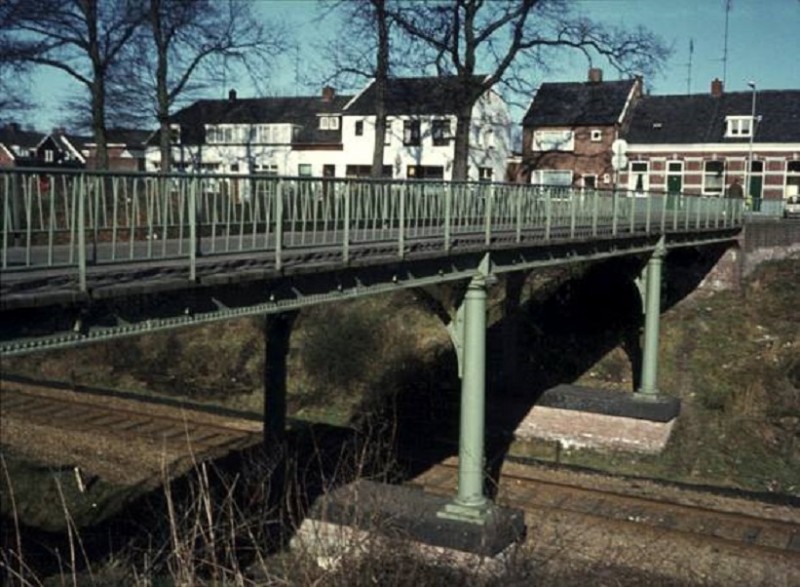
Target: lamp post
(749, 171)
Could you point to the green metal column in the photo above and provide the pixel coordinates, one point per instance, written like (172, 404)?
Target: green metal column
(649, 386)
(471, 505)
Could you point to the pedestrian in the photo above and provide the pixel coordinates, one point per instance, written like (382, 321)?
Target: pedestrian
(735, 190)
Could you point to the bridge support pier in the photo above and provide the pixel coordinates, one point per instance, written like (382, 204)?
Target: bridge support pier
(652, 316)
(471, 505)
(277, 330)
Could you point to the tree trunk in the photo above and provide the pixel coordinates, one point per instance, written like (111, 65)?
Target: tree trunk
(381, 81)
(461, 147)
(99, 122)
(162, 91)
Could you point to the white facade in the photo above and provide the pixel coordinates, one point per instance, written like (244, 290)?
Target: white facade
(232, 148)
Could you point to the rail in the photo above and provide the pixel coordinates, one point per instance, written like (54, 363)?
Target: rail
(73, 219)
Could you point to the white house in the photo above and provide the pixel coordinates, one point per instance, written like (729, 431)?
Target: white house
(333, 136)
(420, 130)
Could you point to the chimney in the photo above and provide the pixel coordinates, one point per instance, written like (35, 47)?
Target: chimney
(231, 95)
(13, 127)
(328, 94)
(716, 88)
(59, 130)
(595, 75)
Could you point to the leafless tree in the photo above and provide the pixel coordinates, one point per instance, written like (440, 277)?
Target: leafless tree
(82, 38)
(365, 55)
(185, 41)
(498, 38)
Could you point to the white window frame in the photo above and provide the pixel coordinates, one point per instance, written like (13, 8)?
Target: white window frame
(596, 135)
(48, 156)
(302, 167)
(387, 134)
(717, 190)
(553, 140)
(792, 179)
(440, 132)
(552, 177)
(329, 123)
(485, 174)
(633, 175)
(737, 127)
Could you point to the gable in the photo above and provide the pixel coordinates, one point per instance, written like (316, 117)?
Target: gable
(579, 104)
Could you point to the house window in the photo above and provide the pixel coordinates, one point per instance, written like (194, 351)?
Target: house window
(387, 135)
(359, 128)
(487, 138)
(329, 123)
(792, 179)
(174, 134)
(425, 172)
(738, 126)
(267, 169)
(304, 170)
(366, 170)
(638, 176)
(713, 177)
(556, 177)
(48, 156)
(440, 130)
(553, 140)
(234, 168)
(590, 181)
(596, 135)
(485, 173)
(411, 134)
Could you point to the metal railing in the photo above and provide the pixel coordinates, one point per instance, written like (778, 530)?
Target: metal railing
(75, 219)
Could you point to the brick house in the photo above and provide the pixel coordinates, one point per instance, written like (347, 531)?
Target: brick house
(701, 144)
(125, 147)
(569, 128)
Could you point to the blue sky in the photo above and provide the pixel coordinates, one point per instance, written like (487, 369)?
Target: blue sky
(763, 46)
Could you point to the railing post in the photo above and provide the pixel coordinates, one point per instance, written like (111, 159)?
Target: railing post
(518, 203)
(648, 208)
(632, 198)
(614, 212)
(448, 202)
(193, 230)
(279, 225)
(82, 235)
(401, 236)
(346, 228)
(487, 209)
(572, 213)
(548, 213)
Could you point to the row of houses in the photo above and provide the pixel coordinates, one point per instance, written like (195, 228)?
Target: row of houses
(59, 149)
(593, 134)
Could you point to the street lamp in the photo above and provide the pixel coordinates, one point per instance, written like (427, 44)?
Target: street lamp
(749, 171)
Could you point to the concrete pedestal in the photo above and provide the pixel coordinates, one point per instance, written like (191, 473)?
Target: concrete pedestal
(365, 515)
(581, 417)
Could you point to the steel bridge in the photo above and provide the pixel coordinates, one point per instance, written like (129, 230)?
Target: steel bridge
(90, 256)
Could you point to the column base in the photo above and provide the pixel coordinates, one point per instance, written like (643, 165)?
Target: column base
(471, 513)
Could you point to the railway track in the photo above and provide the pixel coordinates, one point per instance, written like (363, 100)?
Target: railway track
(178, 429)
(528, 489)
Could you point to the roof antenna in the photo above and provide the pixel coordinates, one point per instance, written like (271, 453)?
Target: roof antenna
(725, 47)
(689, 68)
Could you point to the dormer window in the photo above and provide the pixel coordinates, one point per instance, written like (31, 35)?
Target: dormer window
(329, 123)
(597, 135)
(738, 126)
